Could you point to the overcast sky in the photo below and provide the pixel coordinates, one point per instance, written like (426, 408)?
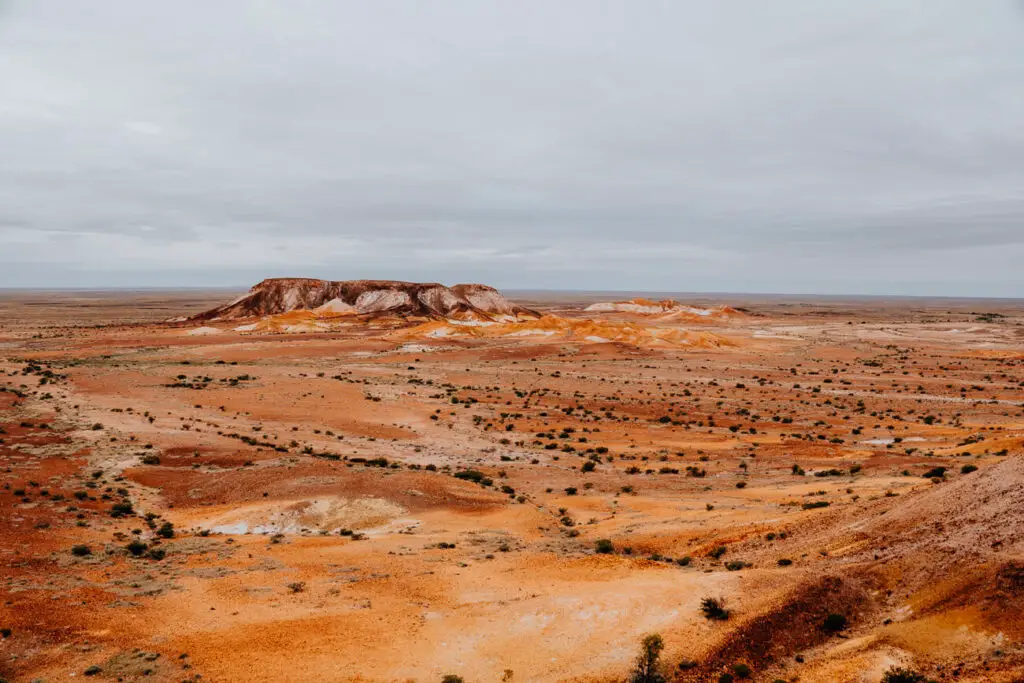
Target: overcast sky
(734, 145)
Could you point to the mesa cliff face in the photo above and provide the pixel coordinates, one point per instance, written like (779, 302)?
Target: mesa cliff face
(275, 296)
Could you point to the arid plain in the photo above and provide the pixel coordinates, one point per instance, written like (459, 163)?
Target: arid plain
(401, 497)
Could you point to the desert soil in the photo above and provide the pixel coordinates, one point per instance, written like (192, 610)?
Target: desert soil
(184, 502)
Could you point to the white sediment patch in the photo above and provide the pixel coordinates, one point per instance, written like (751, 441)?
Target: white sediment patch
(291, 299)
(668, 306)
(531, 333)
(489, 300)
(422, 348)
(329, 514)
(203, 331)
(381, 300)
(469, 323)
(697, 311)
(884, 442)
(438, 299)
(336, 306)
(624, 307)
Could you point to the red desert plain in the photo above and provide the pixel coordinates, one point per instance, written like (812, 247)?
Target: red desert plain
(388, 481)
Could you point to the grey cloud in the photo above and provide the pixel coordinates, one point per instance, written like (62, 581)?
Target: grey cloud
(637, 145)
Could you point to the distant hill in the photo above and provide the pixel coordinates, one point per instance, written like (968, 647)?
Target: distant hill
(275, 296)
(667, 309)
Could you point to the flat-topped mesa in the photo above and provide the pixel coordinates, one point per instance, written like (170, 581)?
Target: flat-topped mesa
(275, 296)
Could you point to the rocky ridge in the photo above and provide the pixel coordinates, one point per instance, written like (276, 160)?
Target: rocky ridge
(276, 296)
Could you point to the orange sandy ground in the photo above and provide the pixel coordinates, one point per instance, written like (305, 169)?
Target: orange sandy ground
(447, 576)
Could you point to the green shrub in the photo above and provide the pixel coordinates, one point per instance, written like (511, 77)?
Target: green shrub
(741, 670)
(646, 669)
(714, 608)
(136, 547)
(834, 623)
(898, 674)
(81, 550)
(829, 473)
(122, 509)
(604, 546)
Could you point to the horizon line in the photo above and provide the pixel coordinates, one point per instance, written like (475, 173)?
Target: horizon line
(831, 295)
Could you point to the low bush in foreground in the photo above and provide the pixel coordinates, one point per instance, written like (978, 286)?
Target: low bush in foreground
(714, 608)
(646, 669)
(898, 674)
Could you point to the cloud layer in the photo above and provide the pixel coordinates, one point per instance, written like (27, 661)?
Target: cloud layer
(676, 146)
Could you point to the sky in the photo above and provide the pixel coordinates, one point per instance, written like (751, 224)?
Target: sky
(820, 146)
